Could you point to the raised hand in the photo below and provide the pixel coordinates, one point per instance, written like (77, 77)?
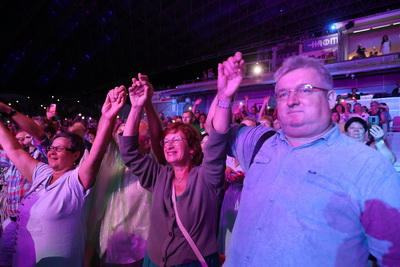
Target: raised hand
(141, 91)
(230, 75)
(198, 101)
(376, 132)
(115, 100)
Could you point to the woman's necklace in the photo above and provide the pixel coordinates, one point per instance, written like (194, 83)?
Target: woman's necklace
(181, 179)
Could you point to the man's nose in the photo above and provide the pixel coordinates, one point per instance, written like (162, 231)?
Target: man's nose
(293, 99)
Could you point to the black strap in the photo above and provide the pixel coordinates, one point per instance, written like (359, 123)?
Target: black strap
(259, 144)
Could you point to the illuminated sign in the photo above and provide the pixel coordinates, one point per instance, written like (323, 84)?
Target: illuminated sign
(321, 43)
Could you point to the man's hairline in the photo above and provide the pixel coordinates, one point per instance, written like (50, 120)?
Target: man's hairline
(315, 69)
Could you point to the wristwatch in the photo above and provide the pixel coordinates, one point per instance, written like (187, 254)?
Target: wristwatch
(223, 104)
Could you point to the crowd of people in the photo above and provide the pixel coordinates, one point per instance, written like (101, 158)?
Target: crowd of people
(239, 186)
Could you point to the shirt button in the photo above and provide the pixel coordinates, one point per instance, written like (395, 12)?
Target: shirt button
(271, 200)
(170, 234)
(163, 259)
(173, 216)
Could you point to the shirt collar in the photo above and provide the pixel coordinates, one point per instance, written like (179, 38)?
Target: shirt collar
(330, 137)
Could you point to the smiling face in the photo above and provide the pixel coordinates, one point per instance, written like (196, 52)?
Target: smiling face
(63, 160)
(177, 151)
(306, 116)
(356, 131)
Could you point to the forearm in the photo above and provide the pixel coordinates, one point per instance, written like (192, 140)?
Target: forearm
(194, 108)
(133, 121)
(91, 165)
(222, 116)
(8, 141)
(385, 151)
(27, 125)
(22, 160)
(155, 129)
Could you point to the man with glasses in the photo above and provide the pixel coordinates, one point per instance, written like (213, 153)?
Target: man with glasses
(312, 196)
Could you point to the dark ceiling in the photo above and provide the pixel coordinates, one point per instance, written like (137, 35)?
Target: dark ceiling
(74, 47)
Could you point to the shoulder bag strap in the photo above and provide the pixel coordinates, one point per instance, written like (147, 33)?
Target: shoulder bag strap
(185, 233)
(259, 144)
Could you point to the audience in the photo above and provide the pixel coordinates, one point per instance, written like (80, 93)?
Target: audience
(128, 226)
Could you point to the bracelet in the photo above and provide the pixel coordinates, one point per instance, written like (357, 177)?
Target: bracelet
(223, 104)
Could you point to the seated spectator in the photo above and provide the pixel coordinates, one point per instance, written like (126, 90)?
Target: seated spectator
(336, 119)
(353, 95)
(361, 51)
(358, 112)
(342, 110)
(395, 91)
(375, 111)
(357, 128)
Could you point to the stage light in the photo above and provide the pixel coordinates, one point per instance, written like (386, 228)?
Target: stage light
(257, 69)
(80, 114)
(190, 108)
(333, 26)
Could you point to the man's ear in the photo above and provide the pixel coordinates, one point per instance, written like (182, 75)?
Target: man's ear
(77, 154)
(331, 99)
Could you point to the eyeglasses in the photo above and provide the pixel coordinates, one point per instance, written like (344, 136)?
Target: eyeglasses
(174, 141)
(300, 90)
(59, 148)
